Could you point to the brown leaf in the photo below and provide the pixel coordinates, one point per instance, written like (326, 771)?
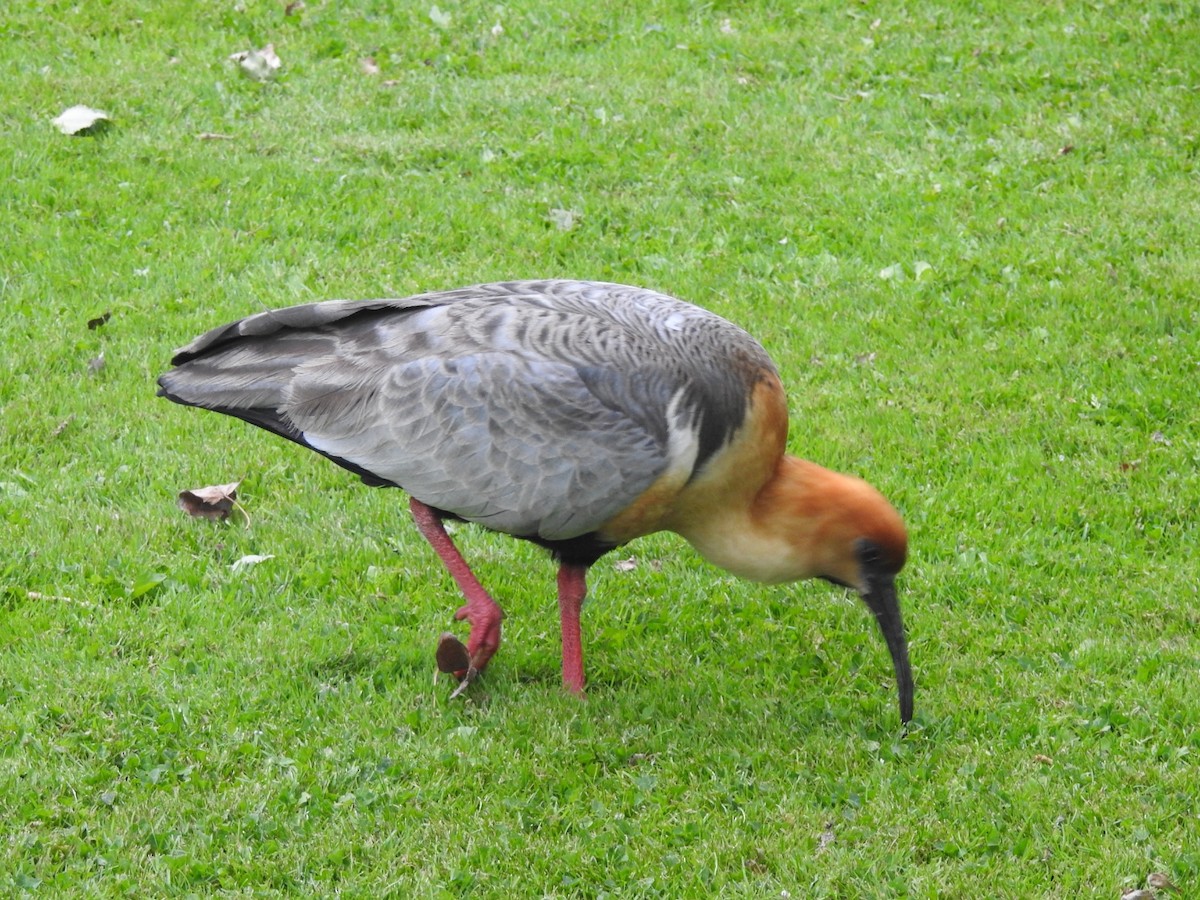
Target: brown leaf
(1043, 759)
(214, 502)
(626, 565)
(294, 7)
(62, 426)
(368, 65)
(1066, 149)
(213, 136)
(827, 837)
(1160, 882)
(452, 655)
(95, 323)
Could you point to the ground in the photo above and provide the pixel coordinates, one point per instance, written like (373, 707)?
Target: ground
(967, 234)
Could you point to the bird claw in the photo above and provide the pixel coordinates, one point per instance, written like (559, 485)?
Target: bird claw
(471, 675)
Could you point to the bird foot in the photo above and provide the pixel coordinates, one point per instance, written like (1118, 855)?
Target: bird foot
(484, 640)
(466, 661)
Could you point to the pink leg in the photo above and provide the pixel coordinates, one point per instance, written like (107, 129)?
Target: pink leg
(572, 589)
(481, 611)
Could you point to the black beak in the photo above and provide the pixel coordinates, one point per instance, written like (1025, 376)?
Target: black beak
(881, 598)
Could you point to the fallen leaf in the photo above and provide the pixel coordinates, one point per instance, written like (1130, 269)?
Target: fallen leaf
(260, 65)
(80, 120)
(827, 837)
(626, 565)
(368, 65)
(893, 271)
(100, 320)
(864, 359)
(251, 559)
(38, 595)
(1138, 894)
(1043, 759)
(1160, 882)
(1065, 150)
(452, 655)
(62, 426)
(920, 267)
(214, 502)
(96, 364)
(563, 219)
(294, 7)
(213, 136)
(439, 18)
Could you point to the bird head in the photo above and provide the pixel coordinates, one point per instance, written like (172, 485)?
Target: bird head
(841, 529)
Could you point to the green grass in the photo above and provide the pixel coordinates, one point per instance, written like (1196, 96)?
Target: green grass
(968, 235)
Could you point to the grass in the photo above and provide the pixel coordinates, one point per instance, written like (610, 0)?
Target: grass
(967, 234)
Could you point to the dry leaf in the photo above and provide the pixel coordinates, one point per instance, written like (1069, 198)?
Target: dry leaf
(1043, 759)
(213, 136)
(250, 559)
(38, 595)
(563, 219)
(626, 565)
(368, 65)
(101, 319)
(1160, 882)
(96, 364)
(1138, 894)
(452, 655)
(80, 120)
(260, 65)
(827, 837)
(439, 18)
(62, 426)
(294, 7)
(214, 502)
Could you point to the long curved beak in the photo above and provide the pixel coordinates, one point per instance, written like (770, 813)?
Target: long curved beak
(881, 599)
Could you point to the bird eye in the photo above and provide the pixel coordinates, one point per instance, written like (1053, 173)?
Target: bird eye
(868, 553)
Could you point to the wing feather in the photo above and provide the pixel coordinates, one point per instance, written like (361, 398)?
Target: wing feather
(541, 409)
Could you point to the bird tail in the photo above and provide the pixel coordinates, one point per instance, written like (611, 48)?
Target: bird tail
(248, 378)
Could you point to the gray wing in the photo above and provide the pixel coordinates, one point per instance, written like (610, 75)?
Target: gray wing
(482, 410)
(519, 445)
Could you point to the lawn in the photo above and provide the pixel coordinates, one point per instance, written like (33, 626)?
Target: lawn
(968, 235)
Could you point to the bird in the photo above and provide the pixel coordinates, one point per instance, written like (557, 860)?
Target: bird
(578, 415)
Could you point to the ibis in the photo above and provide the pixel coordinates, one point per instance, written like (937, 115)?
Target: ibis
(574, 414)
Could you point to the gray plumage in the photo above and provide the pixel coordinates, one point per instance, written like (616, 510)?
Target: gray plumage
(541, 408)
